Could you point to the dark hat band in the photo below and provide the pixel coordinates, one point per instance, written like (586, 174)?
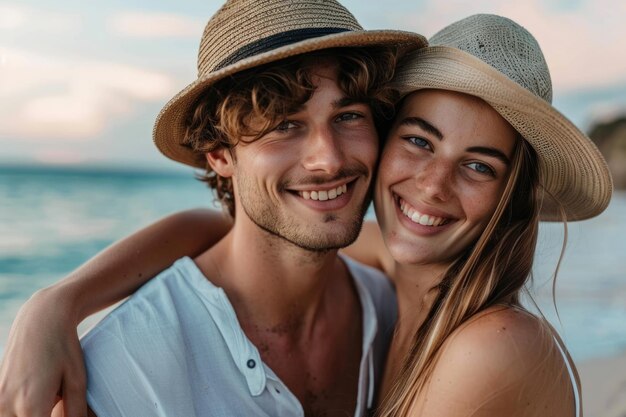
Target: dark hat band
(276, 41)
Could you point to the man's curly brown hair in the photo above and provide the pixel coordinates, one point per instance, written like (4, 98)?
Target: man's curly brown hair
(272, 92)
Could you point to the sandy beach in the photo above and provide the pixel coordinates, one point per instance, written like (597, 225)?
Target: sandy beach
(604, 386)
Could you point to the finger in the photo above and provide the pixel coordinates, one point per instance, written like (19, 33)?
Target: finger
(75, 386)
(74, 398)
(57, 411)
(74, 406)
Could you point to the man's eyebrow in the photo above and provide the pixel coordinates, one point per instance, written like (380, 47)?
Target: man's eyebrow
(496, 153)
(346, 101)
(418, 121)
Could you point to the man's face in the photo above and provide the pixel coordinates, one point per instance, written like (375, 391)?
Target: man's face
(308, 180)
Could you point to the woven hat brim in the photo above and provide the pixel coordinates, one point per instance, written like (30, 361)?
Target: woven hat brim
(169, 128)
(573, 171)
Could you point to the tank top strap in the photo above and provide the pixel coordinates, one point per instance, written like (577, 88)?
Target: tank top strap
(571, 369)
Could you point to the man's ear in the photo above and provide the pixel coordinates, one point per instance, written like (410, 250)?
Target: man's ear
(221, 161)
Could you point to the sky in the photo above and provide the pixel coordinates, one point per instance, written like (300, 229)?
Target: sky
(81, 82)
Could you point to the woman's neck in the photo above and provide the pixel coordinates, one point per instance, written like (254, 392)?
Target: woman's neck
(417, 289)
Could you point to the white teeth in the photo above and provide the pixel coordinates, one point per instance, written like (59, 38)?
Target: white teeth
(416, 217)
(326, 194)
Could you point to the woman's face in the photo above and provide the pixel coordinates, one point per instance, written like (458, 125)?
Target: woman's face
(442, 173)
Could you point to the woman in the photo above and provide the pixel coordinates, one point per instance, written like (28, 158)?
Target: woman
(475, 157)
(461, 324)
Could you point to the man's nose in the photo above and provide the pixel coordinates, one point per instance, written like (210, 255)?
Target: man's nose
(323, 151)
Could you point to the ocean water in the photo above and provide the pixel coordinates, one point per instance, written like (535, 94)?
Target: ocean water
(52, 220)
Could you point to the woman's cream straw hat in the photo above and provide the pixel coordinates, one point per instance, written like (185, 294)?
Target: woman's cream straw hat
(496, 59)
(247, 33)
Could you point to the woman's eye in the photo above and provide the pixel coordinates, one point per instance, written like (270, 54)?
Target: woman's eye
(481, 168)
(285, 125)
(417, 141)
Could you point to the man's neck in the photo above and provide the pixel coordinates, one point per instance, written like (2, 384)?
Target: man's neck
(271, 282)
(299, 308)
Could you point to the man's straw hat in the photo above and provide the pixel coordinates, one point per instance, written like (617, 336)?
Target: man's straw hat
(247, 33)
(496, 59)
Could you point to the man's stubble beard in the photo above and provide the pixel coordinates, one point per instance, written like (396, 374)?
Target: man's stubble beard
(274, 221)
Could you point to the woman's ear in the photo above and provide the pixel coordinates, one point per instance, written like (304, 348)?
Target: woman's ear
(221, 161)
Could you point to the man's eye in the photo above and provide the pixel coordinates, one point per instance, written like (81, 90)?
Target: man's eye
(481, 168)
(285, 125)
(417, 141)
(348, 116)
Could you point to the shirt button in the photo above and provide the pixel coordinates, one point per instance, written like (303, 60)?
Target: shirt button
(251, 363)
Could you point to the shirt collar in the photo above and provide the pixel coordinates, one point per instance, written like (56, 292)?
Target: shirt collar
(370, 328)
(246, 356)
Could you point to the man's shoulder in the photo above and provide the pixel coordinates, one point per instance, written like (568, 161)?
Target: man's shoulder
(144, 351)
(156, 305)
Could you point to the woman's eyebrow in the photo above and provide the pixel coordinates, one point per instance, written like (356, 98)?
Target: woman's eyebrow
(418, 121)
(496, 153)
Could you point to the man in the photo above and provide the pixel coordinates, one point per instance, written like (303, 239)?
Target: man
(269, 321)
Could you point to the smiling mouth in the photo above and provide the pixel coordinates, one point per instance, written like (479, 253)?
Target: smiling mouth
(325, 194)
(420, 218)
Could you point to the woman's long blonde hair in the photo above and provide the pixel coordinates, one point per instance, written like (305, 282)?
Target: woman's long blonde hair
(492, 271)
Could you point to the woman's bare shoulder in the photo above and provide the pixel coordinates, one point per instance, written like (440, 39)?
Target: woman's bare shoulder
(504, 361)
(498, 329)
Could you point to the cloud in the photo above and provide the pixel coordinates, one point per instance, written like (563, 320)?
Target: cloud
(49, 97)
(155, 25)
(16, 17)
(581, 42)
(11, 17)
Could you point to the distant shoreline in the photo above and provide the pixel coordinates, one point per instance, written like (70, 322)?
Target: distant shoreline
(90, 170)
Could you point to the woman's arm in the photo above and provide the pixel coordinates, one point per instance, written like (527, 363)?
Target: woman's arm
(42, 361)
(123, 267)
